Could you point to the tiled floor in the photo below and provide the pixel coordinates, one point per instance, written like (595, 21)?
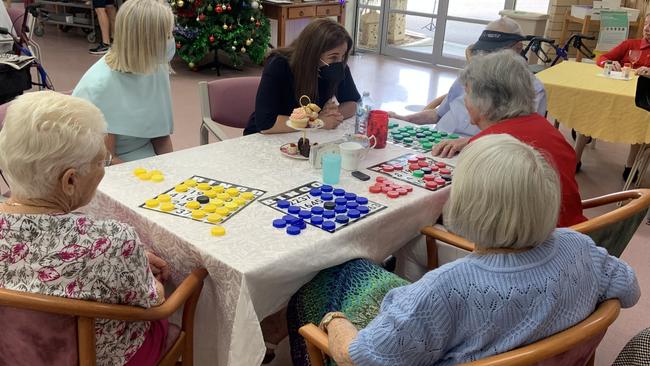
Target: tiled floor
(399, 86)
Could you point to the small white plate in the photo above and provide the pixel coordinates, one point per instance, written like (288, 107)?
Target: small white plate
(319, 124)
(284, 149)
(616, 75)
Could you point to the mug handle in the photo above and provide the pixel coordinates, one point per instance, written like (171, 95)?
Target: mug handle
(372, 146)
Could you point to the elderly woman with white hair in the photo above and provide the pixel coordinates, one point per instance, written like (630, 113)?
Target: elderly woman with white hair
(130, 84)
(525, 281)
(500, 99)
(53, 157)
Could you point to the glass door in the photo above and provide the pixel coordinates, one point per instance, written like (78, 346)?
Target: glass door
(431, 31)
(410, 29)
(463, 23)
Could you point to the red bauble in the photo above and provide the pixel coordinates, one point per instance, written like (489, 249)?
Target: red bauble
(257, 23)
(218, 9)
(178, 45)
(211, 38)
(228, 7)
(201, 17)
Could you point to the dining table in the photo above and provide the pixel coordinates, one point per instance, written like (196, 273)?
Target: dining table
(255, 268)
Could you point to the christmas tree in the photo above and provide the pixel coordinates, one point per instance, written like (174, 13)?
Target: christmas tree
(237, 27)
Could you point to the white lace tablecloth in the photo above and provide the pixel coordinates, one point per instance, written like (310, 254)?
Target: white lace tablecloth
(255, 268)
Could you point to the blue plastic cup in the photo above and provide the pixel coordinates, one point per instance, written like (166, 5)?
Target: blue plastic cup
(331, 168)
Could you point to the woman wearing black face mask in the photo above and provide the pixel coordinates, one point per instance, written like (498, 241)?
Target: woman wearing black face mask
(315, 64)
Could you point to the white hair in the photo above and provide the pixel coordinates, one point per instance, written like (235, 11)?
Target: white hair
(499, 85)
(505, 194)
(505, 25)
(44, 134)
(142, 28)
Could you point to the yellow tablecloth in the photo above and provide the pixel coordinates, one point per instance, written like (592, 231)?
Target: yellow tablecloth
(593, 105)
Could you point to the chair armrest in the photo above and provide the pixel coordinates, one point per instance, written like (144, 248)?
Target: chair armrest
(640, 200)
(316, 337)
(447, 237)
(93, 309)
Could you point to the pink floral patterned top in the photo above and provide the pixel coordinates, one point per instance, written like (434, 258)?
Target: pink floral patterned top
(74, 256)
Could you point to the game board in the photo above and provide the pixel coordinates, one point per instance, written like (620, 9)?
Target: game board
(418, 170)
(323, 206)
(420, 139)
(219, 200)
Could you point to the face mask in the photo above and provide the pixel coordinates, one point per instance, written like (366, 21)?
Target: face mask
(334, 73)
(171, 49)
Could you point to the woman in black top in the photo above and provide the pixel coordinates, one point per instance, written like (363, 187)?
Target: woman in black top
(315, 64)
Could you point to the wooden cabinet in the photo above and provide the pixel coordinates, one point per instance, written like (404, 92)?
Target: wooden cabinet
(318, 9)
(302, 12)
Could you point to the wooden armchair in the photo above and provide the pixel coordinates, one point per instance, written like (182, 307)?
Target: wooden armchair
(575, 346)
(611, 231)
(43, 314)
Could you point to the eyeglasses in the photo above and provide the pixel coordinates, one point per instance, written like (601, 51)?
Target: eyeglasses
(109, 159)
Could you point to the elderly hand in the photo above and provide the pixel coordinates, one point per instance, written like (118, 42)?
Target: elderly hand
(399, 116)
(643, 71)
(158, 266)
(449, 148)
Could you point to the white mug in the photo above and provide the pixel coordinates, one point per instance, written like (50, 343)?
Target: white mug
(351, 155)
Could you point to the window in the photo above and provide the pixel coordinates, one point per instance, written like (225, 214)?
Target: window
(535, 6)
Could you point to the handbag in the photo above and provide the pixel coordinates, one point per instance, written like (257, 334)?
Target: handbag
(642, 98)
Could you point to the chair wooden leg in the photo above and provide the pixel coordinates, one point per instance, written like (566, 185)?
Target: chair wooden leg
(432, 253)
(556, 123)
(203, 135)
(591, 360)
(315, 355)
(86, 341)
(188, 326)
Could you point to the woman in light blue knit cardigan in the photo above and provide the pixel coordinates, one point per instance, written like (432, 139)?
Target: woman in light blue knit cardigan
(525, 281)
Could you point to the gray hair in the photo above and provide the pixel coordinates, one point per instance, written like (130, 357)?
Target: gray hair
(505, 194)
(44, 134)
(505, 25)
(499, 85)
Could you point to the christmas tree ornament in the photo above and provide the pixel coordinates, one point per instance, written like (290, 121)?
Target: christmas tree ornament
(180, 3)
(219, 9)
(243, 50)
(201, 17)
(257, 24)
(234, 48)
(249, 42)
(178, 45)
(191, 1)
(211, 38)
(255, 5)
(228, 7)
(234, 42)
(225, 27)
(252, 19)
(210, 8)
(260, 7)
(191, 65)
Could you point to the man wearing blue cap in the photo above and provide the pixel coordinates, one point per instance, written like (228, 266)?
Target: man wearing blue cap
(451, 115)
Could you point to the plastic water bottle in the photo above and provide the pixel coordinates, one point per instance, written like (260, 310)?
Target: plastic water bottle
(363, 111)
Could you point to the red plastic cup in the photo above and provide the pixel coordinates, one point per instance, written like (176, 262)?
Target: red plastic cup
(378, 127)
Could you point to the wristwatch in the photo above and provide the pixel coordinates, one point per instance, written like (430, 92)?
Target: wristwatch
(327, 319)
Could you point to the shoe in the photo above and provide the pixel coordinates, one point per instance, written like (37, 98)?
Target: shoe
(626, 174)
(578, 166)
(269, 356)
(101, 49)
